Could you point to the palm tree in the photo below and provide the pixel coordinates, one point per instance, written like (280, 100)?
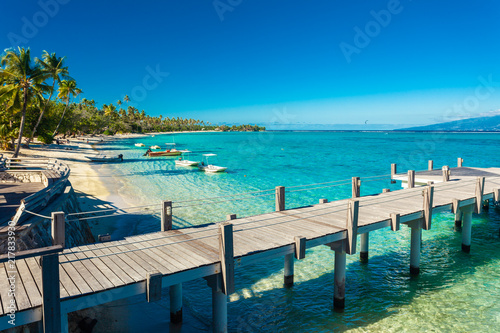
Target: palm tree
(22, 81)
(67, 88)
(54, 68)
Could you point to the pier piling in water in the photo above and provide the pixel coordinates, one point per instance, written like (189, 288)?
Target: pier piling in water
(455, 208)
(467, 227)
(219, 304)
(175, 292)
(363, 254)
(288, 279)
(431, 165)
(416, 236)
(460, 161)
(339, 280)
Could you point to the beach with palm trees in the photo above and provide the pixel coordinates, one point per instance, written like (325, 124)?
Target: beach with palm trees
(40, 100)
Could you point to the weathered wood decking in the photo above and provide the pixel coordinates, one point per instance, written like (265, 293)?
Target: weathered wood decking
(119, 268)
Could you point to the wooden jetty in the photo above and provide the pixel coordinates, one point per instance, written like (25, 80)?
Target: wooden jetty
(90, 275)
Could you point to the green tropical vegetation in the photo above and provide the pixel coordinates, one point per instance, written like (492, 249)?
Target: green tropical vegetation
(37, 99)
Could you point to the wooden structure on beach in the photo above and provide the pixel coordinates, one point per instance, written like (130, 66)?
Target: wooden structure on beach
(35, 183)
(86, 276)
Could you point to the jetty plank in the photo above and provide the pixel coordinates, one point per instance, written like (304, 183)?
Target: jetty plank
(111, 277)
(29, 283)
(111, 265)
(180, 245)
(82, 271)
(179, 250)
(123, 261)
(170, 261)
(4, 289)
(93, 269)
(71, 277)
(152, 260)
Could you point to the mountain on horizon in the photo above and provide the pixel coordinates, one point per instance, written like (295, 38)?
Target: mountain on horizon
(480, 124)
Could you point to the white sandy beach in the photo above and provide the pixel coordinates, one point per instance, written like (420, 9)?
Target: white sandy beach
(94, 189)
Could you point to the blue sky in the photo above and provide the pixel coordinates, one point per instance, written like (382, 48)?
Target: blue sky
(242, 61)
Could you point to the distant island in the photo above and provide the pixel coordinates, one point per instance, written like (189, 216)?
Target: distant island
(479, 124)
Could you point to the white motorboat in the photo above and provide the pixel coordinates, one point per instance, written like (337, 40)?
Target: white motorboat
(184, 160)
(155, 147)
(211, 168)
(140, 145)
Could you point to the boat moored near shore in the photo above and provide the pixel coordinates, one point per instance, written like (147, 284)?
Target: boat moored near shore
(211, 168)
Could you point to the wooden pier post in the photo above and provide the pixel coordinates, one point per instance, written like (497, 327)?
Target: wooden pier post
(352, 226)
(51, 299)
(431, 165)
(289, 258)
(175, 292)
(356, 184)
(58, 229)
(460, 161)
(455, 208)
(411, 178)
(153, 286)
(166, 215)
(226, 255)
(322, 201)
(363, 254)
(393, 170)
(446, 173)
(280, 198)
(416, 236)
(385, 190)
(479, 194)
(339, 280)
(467, 227)
(428, 195)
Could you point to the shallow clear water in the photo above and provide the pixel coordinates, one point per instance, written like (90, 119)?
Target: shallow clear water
(455, 292)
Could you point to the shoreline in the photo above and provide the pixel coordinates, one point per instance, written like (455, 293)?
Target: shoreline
(95, 188)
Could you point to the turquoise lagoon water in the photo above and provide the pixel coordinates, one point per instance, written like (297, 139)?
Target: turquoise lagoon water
(455, 292)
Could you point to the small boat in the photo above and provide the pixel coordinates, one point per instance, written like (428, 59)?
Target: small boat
(140, 145)
(184, 160)
(207, 167)
(105, 159)
(155, 147)
(168, 152)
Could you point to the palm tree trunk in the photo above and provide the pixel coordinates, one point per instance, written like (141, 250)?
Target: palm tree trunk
(21, 127)
(60, 121)
(41, 114)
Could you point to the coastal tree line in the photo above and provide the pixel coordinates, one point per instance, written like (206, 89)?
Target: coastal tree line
(37, 100)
